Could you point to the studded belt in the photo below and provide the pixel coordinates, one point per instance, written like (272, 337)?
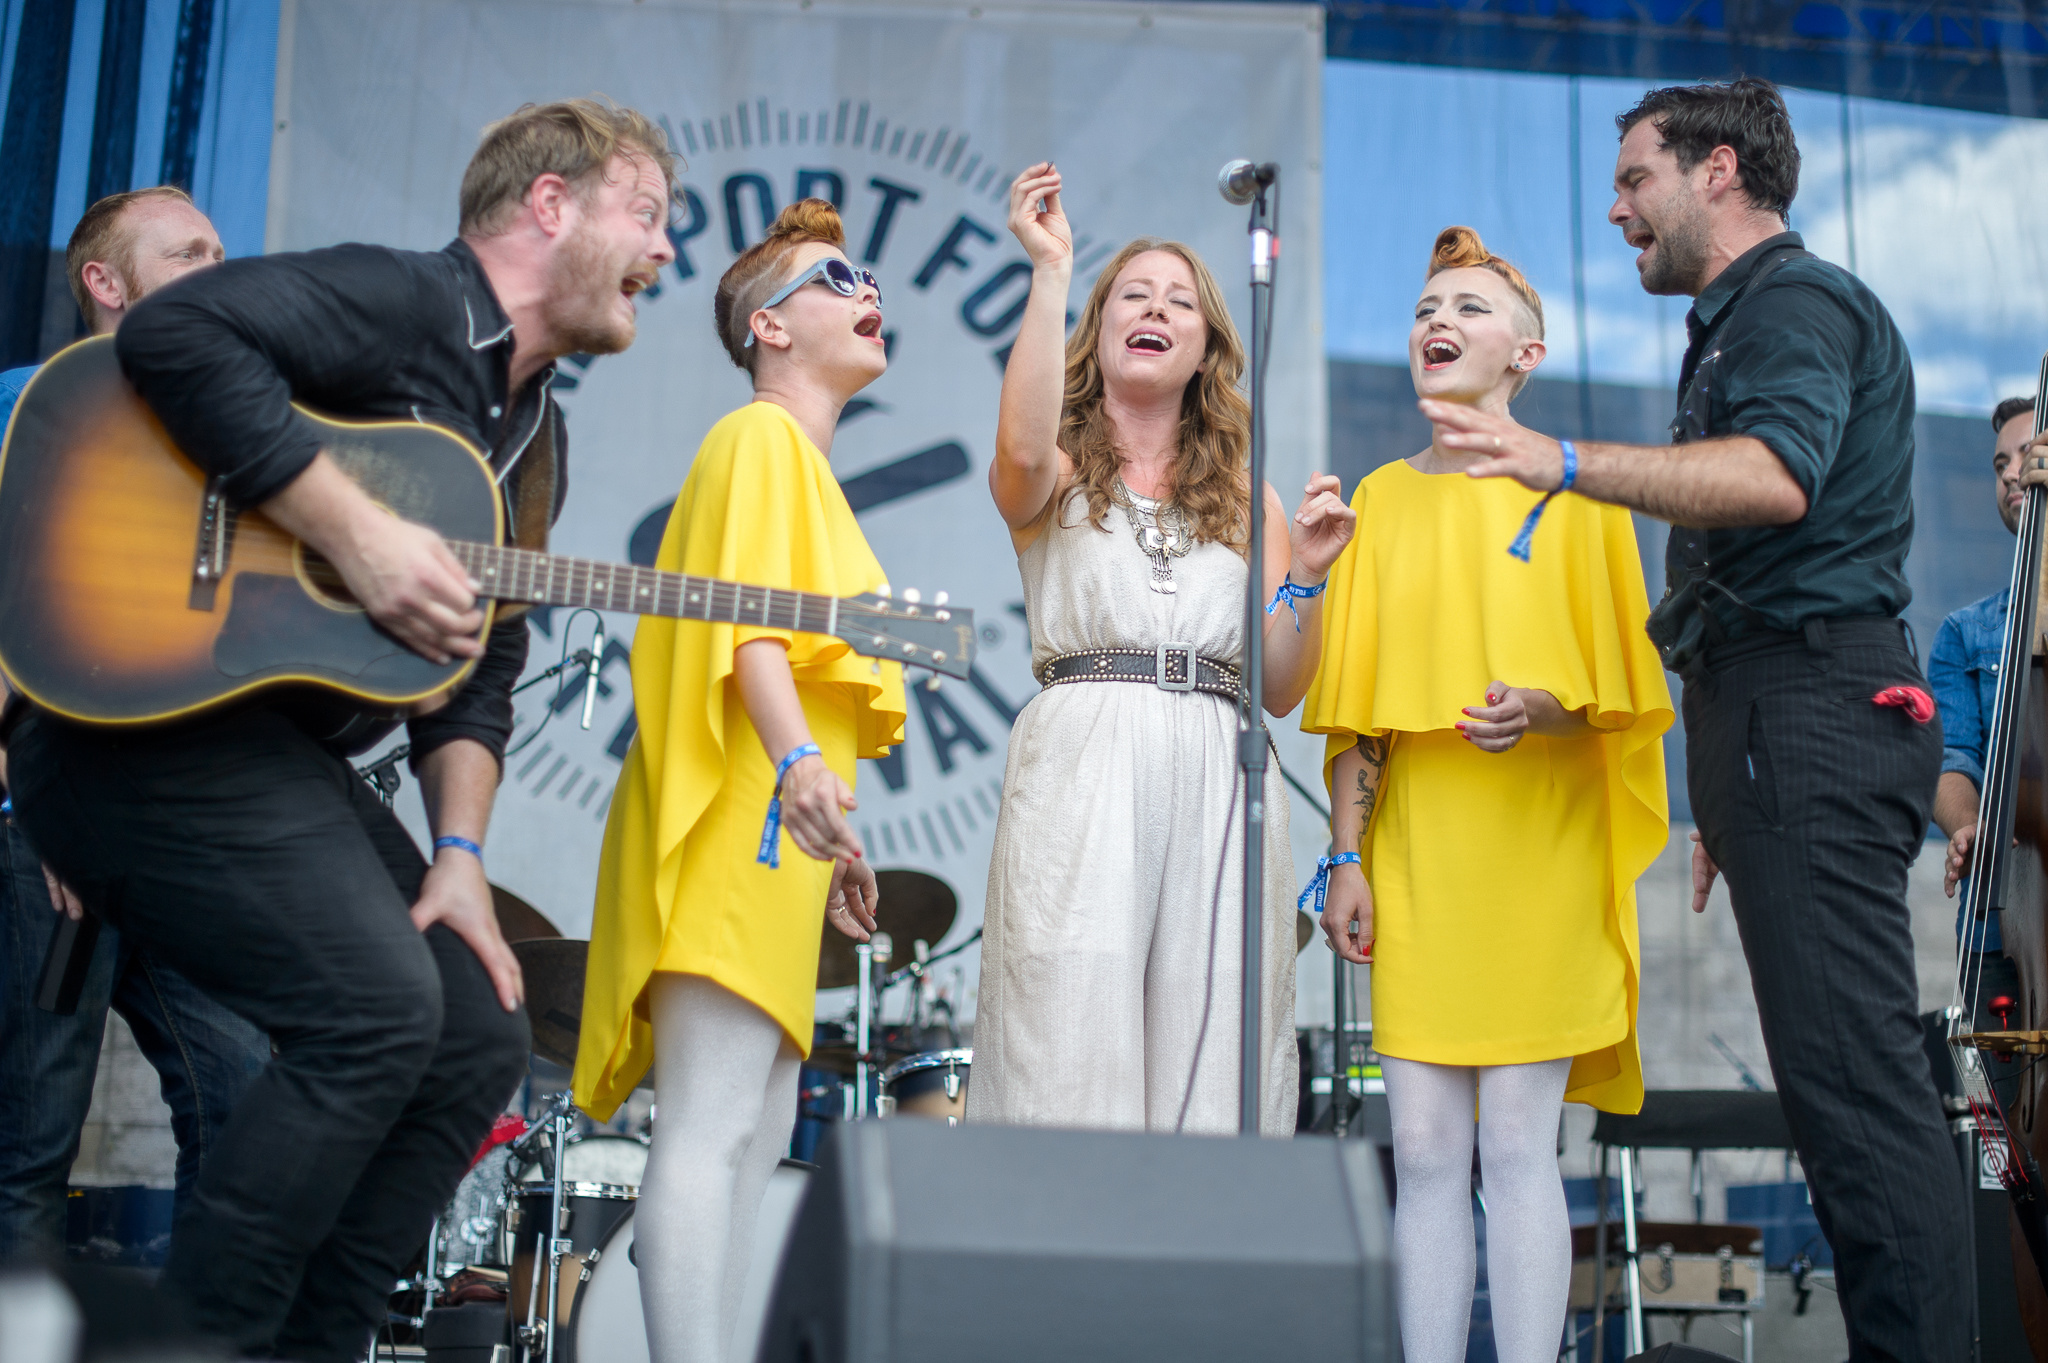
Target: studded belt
(1170, 667)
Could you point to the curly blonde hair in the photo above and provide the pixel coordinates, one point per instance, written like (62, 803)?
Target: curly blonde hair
(1209, 474)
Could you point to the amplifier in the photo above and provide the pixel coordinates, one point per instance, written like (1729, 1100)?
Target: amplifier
(920, 1242)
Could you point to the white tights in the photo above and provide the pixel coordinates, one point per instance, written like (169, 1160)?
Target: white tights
(725, 1099)
(1528, 1231)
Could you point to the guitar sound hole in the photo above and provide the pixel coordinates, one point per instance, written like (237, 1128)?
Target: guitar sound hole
(322, 581)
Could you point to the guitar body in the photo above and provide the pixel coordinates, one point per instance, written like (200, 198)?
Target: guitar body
(103, 616)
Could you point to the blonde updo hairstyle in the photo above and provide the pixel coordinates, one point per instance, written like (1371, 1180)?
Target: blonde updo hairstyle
(1459, 248)
(1210, 485)
(764, 267)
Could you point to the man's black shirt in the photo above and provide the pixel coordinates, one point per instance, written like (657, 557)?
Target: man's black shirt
(1810, 363)
(357, 332)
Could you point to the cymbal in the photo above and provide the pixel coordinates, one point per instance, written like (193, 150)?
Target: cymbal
(839, 1057)
(914, 906)
(1304, 931)
(553, 967)
(519, 920)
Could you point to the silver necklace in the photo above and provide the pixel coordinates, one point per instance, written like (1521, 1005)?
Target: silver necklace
(1162, 531)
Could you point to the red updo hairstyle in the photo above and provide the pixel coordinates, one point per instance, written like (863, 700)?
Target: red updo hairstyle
(763, 267)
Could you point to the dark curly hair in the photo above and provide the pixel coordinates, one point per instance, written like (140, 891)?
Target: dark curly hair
(1747, 115)
(2010, 408)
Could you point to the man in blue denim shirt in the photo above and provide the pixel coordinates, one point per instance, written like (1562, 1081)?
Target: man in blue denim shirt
(124, 246)
(1963, 672)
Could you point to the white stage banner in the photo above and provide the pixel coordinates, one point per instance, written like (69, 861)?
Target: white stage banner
(913, 118)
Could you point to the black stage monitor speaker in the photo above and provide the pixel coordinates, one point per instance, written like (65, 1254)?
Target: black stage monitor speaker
(920, 1241)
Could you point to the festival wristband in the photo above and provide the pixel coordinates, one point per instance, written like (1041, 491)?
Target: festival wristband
(1319, 884)
(1520, 548)
(1288, 591)
(770, 854)
(460, 844)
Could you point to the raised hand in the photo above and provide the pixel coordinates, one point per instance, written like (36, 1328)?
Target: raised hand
(1043, 232)
(1507, 450)
(1321, 527)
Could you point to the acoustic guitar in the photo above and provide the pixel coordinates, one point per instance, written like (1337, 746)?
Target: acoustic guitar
(132, 591)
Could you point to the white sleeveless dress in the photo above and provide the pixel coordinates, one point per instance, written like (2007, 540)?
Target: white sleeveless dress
(1110, 961)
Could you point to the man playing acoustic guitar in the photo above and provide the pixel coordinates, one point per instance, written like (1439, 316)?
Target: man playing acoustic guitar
(236, 844)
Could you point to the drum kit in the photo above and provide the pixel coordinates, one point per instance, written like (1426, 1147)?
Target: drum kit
(535, 1250)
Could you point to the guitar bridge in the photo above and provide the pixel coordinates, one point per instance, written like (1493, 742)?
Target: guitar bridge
(216, 538)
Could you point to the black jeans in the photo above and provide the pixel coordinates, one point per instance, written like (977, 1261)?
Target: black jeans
(245, 856)
(1813, 802)
(204, 1056)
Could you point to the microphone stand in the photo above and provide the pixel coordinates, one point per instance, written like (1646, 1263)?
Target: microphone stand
(1251, 737)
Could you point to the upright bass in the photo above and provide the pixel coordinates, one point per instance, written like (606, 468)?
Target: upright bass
(2009, 877)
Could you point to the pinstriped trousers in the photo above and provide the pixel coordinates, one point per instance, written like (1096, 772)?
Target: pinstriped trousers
(1813, 802)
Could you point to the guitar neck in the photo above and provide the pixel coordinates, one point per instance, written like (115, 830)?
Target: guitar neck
(508, 574)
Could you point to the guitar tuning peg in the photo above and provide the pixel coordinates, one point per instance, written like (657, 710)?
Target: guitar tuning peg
(883, 591)
(931, 683)
(939, 599)
(912, 595)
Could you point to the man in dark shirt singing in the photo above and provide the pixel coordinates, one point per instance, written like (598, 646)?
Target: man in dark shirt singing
(238, 845)
(1788, 487)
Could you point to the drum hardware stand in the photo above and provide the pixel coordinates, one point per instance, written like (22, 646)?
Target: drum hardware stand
(873, 956)
(918, 972)
(550, 1135)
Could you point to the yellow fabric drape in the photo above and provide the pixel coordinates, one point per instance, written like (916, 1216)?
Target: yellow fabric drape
(678, 886)
(1482, 865)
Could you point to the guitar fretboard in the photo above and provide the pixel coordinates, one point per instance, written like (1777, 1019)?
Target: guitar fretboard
(555, 580)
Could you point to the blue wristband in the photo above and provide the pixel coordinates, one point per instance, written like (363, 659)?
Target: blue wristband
(460, 844)
(770, 854)
(1319, 884)
(1520, 548)
(1288, 591)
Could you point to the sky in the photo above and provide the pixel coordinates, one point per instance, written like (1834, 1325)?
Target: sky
(1932, 214)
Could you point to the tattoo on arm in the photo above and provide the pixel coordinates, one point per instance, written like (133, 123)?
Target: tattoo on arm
(1374, 751)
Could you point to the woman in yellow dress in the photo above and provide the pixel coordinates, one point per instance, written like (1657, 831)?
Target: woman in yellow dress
(1500, 711)
(704, 948)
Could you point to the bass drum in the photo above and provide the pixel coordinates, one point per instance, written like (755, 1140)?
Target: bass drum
(602, 1157)
(606, 1325)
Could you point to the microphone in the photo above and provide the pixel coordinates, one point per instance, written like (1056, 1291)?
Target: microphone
(590, 671)
(1240, 181)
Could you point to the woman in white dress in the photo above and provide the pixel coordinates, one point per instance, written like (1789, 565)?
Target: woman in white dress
(1110, 964)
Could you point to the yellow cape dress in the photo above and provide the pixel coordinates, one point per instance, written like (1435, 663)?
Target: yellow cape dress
(1503, 883)
(678, 887)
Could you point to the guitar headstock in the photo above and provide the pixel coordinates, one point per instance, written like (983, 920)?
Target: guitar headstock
(905, 629)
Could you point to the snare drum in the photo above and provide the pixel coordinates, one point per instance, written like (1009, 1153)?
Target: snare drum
(930, 1085)
(601, 1157)
(604, 1322)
